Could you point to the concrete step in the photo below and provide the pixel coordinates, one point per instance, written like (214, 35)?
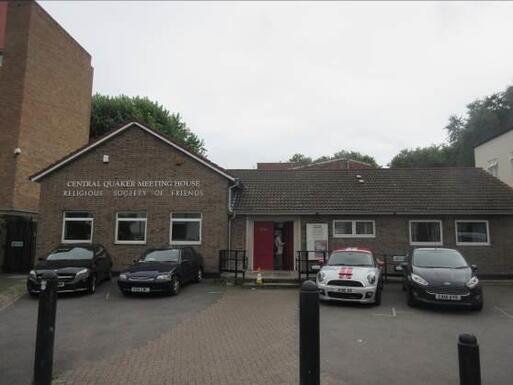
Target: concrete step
(271, 285)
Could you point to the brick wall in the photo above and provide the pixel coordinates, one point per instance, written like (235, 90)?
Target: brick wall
(136, 155)
(45, 100)
(392, 238)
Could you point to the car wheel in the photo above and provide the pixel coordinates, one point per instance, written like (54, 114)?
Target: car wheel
(175, 285)
(410, 300)
(199, 275)
(92, 284)
(478, 306)
(403, 286)
(377, 297)
(108, 276)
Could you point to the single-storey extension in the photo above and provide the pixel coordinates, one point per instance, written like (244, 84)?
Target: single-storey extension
(135, 188)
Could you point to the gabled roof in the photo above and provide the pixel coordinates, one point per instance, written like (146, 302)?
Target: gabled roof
(110, 135)
(500, 133)
(380, 191)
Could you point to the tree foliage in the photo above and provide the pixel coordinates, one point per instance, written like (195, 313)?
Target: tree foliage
(342, 154)
(109, 112)
(484, 119)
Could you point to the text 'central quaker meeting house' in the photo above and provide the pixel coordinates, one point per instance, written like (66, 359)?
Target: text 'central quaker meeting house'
(135, 188)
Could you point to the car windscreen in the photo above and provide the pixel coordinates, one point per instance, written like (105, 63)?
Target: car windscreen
(74, 253)
(443, 258)
(170, 255)
(351, 258)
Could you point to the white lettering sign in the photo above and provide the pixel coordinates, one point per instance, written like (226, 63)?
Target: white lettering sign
(181, 188)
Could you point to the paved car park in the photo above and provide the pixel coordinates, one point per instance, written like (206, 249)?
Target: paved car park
(210, 334)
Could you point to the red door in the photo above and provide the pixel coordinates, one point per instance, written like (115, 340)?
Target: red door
(263, 242)
(288, 248)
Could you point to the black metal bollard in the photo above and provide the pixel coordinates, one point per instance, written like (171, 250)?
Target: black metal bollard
(43, 363)
(309, 347)
(468, 355)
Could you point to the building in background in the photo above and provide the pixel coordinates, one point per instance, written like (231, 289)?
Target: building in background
(45, 105)
(495, 155)
(332, 164)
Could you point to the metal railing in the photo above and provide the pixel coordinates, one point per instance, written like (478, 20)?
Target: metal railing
(309, 262)
(233, 261)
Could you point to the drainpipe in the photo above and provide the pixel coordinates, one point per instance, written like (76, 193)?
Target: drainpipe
(231, 213)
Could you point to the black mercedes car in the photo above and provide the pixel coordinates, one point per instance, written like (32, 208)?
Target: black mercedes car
(162, 270)
(79, 267)
(441, 276)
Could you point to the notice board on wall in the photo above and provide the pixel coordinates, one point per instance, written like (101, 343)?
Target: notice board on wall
(316, 239)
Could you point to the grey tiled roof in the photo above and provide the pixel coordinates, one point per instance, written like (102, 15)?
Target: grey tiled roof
(397, 190)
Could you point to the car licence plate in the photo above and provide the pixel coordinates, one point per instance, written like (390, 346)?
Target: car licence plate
(448, 297)
(140, 289)
(344, 290)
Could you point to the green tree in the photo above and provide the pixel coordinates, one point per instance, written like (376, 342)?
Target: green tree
(432, 156)
(108, 112)
(342, 154)
(484, 118)
(355, 155)
(301, 159)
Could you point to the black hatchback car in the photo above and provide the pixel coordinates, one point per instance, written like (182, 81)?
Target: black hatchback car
(79, 267)
(441, 276)
(162, 270)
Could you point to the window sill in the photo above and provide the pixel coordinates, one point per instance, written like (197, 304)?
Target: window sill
(129, 242)
(77, 241)
(185, 243)
(472, 244)
(355, 236)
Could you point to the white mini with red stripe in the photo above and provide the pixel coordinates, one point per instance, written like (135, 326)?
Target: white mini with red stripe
(351, 274)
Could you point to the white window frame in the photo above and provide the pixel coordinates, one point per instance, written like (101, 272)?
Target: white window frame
(472, 221)
(440, 243)
(200, 220)
(77, 219)
(353, 228)
(118, 219)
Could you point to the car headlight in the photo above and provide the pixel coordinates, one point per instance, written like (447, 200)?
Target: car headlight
(164, 277)
(418, 279)
(371, 278)
(32, 274)
(321, 276)
(123, 276)
(472, 282)
(84, 273)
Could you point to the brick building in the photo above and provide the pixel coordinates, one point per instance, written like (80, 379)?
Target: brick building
(135, 188)
(332, 164)
(45, 101)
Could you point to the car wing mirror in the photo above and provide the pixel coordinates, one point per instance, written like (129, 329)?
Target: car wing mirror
(41, 259)
(380, 262)
(403, 265)
(473, 267)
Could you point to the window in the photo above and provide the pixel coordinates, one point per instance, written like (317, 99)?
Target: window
(185, 229)
(493, 167)
(472, 233)
(354, 229)
(426, 233)
(77, 227)
(131, 227)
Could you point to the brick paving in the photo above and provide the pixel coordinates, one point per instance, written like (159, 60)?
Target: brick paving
(247, 337)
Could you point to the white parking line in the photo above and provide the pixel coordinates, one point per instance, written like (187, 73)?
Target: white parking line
(214, 292)
(393, 312)
(107, 295)
(504, 312)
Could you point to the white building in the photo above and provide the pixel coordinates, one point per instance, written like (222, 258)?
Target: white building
(496, 156)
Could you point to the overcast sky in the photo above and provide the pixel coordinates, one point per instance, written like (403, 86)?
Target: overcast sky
(262, 81)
